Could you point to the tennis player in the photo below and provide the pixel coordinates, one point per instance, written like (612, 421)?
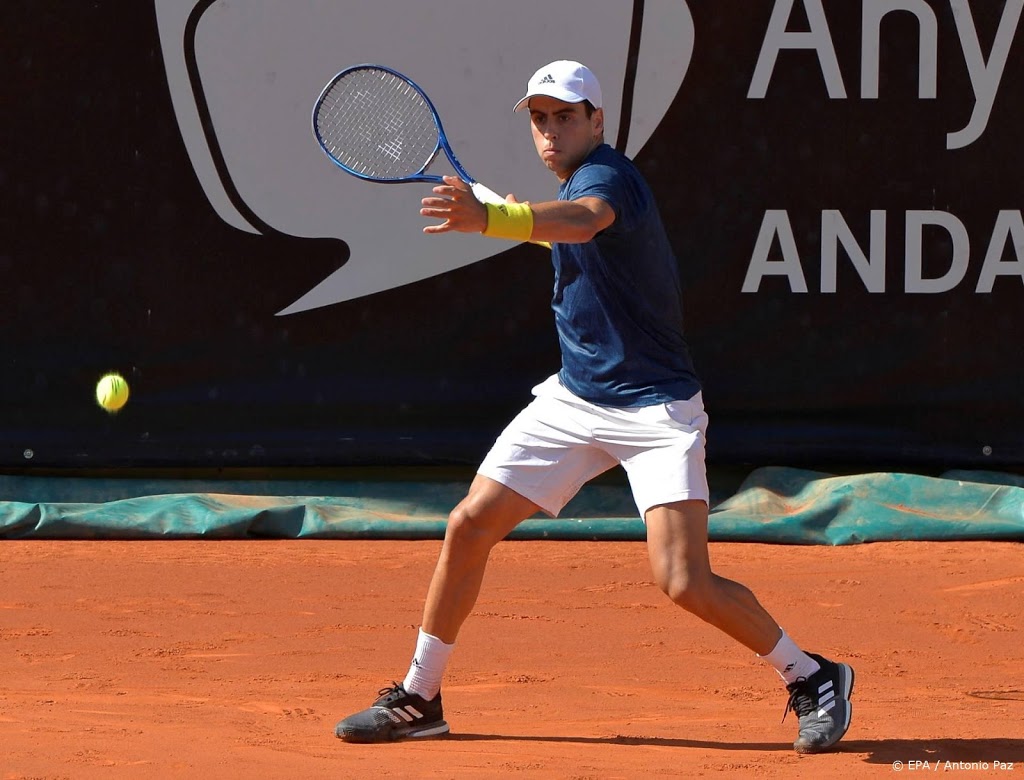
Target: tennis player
(626, 394)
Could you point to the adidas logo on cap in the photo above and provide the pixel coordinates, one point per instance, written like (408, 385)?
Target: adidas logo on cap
(547, 80)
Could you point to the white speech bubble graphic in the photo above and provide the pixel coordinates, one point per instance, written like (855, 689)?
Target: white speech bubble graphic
(244, 76)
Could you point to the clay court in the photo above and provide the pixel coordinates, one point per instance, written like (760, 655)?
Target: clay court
(234, 659)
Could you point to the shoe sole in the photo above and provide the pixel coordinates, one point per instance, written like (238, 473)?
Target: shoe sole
(433, 731)
(847, 693)
(436, 730)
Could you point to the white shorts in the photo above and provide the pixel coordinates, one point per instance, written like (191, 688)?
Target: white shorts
(559, 442)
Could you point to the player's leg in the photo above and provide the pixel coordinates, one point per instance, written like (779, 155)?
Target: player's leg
(669, 481)
(537, 464)
(413, 709)
(678, 549)
(664, 459)
(819, 689)
(488, 513)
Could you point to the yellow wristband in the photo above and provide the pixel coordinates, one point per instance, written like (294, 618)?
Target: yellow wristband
(513, 221)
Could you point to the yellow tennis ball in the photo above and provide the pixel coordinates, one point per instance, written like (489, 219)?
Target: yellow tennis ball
(112, 392)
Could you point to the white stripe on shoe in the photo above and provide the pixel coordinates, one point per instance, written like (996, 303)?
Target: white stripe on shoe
(408, 713)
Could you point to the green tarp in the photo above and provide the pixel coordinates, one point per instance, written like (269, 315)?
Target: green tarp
(780, 505)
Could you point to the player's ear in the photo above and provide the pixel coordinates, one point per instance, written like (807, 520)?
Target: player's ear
(597, 121)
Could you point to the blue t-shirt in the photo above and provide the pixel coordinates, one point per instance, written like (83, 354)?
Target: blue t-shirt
(617, 299)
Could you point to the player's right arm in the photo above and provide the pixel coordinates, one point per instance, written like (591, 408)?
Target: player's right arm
(570, 221)
(556, 221)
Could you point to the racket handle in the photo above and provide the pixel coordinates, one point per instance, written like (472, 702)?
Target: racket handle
(485, 195)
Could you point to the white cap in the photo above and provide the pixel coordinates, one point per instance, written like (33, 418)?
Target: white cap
(563, 80)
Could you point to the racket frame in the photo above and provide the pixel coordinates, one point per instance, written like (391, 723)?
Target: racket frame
(482, 193)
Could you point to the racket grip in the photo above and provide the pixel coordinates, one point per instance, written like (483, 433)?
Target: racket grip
(485, 195)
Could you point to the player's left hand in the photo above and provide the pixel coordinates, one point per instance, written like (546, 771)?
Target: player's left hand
(457, 206)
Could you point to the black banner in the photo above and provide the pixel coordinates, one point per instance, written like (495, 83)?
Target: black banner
(841, 181)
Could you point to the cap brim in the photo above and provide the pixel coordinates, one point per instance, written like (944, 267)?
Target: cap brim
(564, 96)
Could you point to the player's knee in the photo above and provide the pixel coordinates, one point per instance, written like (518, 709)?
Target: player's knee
(692, 593)
(468, 530)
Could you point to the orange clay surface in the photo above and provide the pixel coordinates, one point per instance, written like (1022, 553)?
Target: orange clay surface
(234, 659)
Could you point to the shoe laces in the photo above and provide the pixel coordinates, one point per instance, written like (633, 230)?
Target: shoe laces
(395, 690)
(801, 698)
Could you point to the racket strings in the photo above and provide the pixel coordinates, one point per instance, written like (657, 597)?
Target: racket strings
(377, 124)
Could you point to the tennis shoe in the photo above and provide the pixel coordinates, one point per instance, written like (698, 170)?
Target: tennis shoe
(822, 705)
(395, 715)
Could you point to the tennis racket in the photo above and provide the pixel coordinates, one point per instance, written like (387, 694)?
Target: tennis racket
(380, 126)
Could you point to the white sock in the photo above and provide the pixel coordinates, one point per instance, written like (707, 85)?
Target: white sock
(790, 661)
(427, 667)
